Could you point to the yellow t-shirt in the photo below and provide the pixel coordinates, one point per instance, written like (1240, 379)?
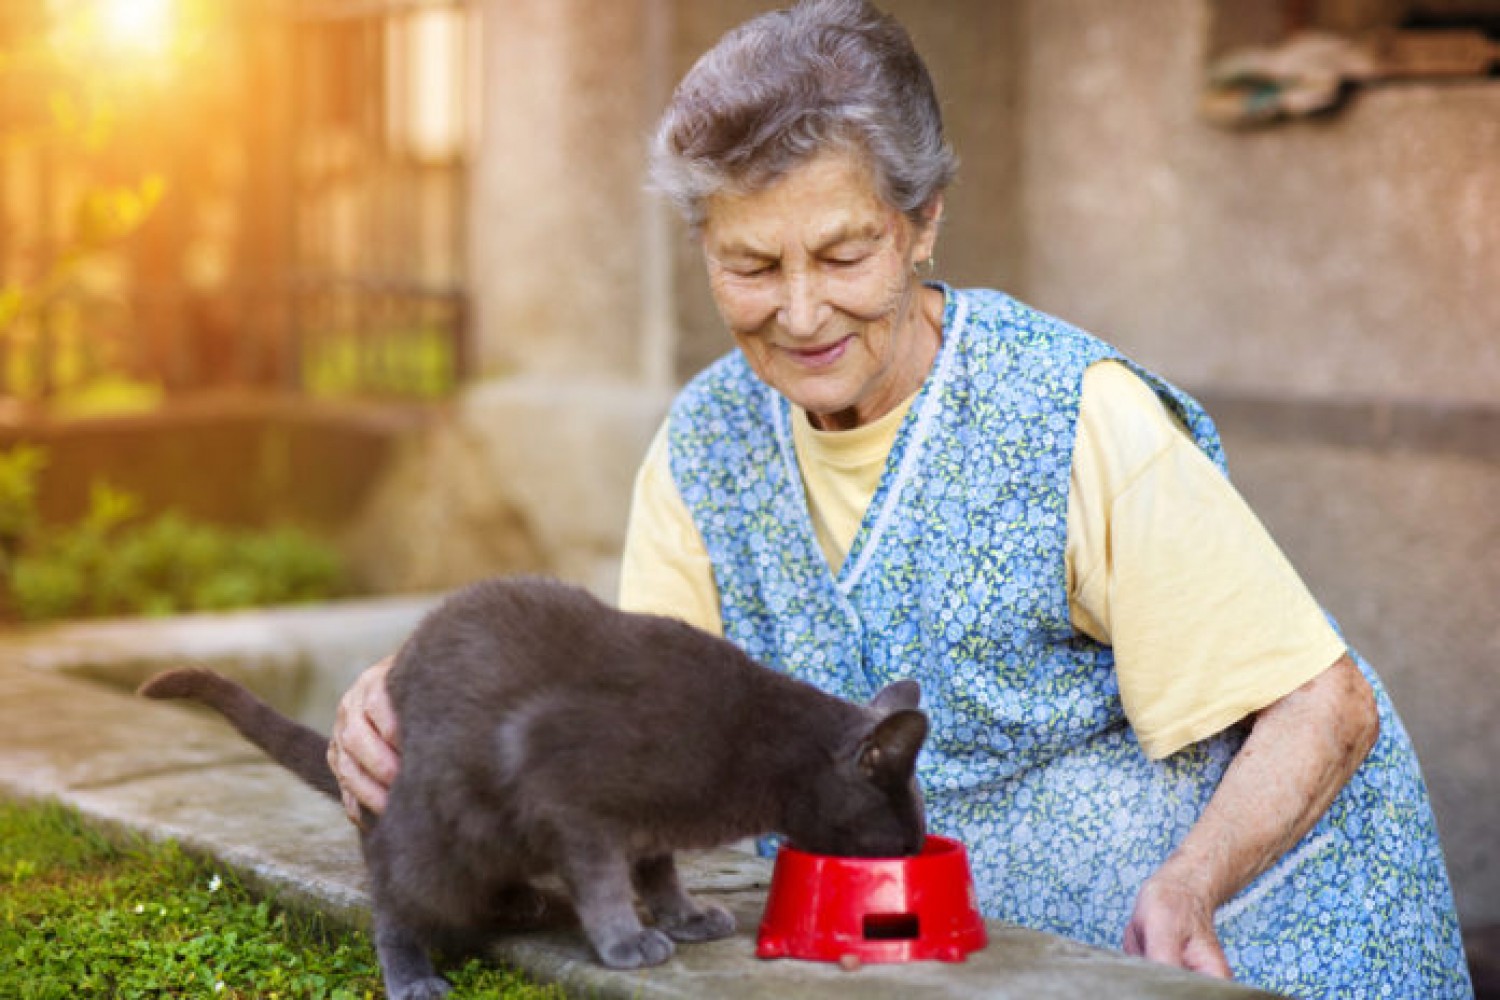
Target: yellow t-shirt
(1166, 562)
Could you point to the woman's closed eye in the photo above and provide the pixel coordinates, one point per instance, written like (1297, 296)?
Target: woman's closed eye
(850, 252)
(750, 267)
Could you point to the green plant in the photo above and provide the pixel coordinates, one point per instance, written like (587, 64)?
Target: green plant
(113, 561)
(87, 915)
(20, 467)
(414, 362)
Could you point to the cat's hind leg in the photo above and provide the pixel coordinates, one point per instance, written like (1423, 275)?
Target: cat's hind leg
(598, 878)
(681, 916)
(404, 963)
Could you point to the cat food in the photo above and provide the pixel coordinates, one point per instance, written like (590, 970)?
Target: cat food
(854, 910)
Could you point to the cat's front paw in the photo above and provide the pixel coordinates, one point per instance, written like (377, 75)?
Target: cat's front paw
(649, 947)
(709, 923)
(431, 988)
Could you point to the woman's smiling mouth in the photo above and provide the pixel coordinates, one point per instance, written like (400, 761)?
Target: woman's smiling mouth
(820, 357)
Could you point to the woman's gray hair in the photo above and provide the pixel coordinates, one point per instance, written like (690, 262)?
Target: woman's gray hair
(785, 86)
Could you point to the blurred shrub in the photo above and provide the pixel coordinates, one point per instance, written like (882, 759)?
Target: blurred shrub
(19, 469)
(114, 562)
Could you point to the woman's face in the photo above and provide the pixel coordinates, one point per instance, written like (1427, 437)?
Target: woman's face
(815, 278)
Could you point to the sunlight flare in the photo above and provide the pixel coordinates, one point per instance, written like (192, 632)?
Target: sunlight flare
(143, 26)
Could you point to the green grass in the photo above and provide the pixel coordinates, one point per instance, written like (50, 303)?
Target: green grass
(83, 914)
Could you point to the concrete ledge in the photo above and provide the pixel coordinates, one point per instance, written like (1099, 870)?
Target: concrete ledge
(172, 772)
(1416, 427)
(300, 659)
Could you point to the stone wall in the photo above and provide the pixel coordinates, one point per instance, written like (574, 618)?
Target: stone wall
(243, 460)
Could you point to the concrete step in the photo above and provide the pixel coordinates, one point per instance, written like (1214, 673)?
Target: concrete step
(170, 771)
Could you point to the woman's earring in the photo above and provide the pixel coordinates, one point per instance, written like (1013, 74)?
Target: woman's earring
(929, 265)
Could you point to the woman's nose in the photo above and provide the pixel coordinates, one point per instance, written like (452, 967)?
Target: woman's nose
(804, 308)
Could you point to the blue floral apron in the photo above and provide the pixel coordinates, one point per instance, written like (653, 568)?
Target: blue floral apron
(956, 578)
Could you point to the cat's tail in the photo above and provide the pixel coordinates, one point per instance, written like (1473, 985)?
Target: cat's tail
(297, 748)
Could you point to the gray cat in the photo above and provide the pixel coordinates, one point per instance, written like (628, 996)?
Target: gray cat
(544, 732)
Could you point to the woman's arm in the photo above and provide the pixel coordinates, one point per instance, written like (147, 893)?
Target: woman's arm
(665, 568)
(1299, 754)
(364, 750)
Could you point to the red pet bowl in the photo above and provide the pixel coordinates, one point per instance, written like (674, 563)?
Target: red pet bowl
(831, 909)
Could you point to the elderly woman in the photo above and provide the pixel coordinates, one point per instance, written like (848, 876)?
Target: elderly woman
(1144, 728)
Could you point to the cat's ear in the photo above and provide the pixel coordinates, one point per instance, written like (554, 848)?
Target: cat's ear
(888, 756)
(897, 696)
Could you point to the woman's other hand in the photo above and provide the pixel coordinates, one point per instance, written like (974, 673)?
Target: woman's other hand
(364, 750)
(1301, 751)
(1174, 925)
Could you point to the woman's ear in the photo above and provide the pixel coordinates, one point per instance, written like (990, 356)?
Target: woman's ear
(926, 236)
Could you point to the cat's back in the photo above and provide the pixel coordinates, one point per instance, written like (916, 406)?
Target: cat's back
(520, 618)
(499, 637)
(502, 641)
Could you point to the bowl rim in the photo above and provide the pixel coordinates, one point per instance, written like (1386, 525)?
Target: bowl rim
(934, 845)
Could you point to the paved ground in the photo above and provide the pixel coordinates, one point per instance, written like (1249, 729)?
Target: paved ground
(172, 772)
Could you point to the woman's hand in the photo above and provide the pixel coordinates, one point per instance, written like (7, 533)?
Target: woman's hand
(1300, 753)
(364, 750)
(1174, 924)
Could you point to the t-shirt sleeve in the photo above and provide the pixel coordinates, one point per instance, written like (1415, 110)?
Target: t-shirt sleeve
(665, 567)
(1208, 619)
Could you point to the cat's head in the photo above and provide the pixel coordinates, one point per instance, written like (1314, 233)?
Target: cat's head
(865, 802)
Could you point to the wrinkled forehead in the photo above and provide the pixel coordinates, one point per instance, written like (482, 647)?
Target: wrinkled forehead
(831, 198)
